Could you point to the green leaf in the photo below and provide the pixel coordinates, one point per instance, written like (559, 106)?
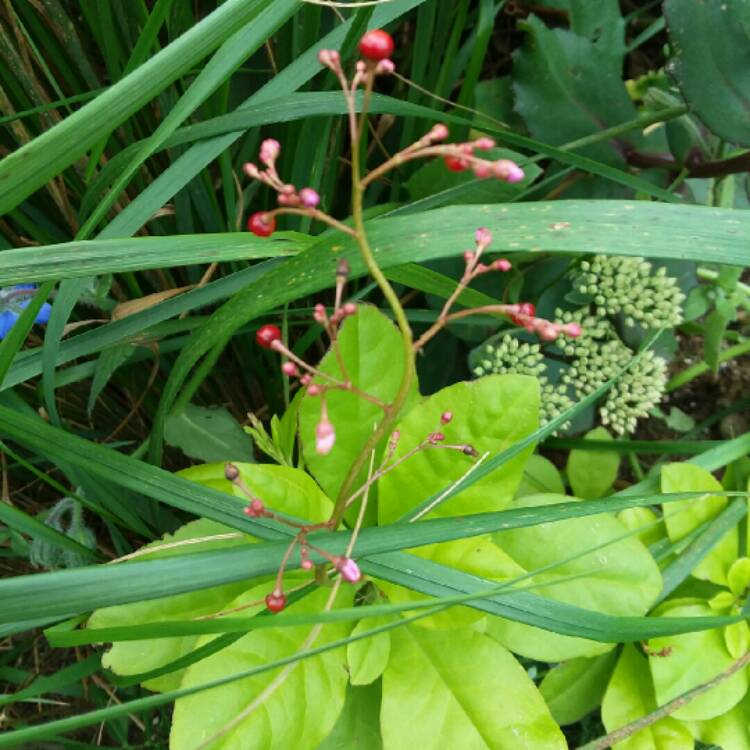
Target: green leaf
(592, 473)
(630, 696)
(367, 659)
(575, 688)
(443, 691)
(710, 41)
(648, 526)
(693, 659)
(684, 517)
(372, 349)
(738, 577)
(106, 365)
(127, 658)
(208, 434)
(358, 726)
(730, 730)
(567, 87)
(540, 475)
(490, 414)
(297, 715)
(610, 572)
(737, 639)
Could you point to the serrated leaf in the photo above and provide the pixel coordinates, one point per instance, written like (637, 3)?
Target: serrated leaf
(611, 573)
(575, 688)
(592, 473)
(372, 349)
(208, 434)
(630, 696)
(693, 659)
(489, 414)
(710, 42)
(298, 715)
(682, 518)
(448, 689)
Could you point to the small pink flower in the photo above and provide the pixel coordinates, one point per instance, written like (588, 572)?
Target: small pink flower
(290, 369)
(325, 434)
(314, 389)
(485, 144)
(269, 151)
(507, 170)
(349, 309)
(439, 132)
(307, 565)
(501, 264)
(446, 416)
(349, 570)
(482, 170)
(309, 197)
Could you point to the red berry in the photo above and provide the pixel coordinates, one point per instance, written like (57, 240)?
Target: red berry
(376, 45)
(261, 224)
(266, 335)
(275, 602)
(456, 164)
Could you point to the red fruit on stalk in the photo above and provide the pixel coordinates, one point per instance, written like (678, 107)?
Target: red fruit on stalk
(266, 335)
(376, 45)
(261, 224)
(455, 163)
(275, 602)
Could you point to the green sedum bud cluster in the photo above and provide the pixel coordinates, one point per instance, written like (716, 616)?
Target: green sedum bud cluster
(508, 355)
(627, 285)
(617, 286)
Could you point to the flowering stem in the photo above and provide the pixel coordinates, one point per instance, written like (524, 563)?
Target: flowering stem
(313, 213)
(393, 409)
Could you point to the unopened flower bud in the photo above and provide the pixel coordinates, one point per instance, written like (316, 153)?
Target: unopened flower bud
(231, 472)
(470, 450)
(290, 369)
(330, 58)
(573, 330)
(484, 144)
(482, 170)
(501, 264)
(309, 197)
(349, 309)
(483, 237)
(349, 570)
(385, 67)
(305, 379)
(343, 268)
(314, 389)
(256, 509)
(505, 169)
(251, 170)
(439, 132)
(436, 437)
(269, 151)
(468, 256)
(325, 435)
(548, 331)
(307, 565)
(446, 417)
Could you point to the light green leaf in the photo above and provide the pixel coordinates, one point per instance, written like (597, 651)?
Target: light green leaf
(693, 659)
(738, 577)
(208, 434)
(630, 696)
(682, 518)
(282, 488)
(134, 657)
(730, 731)
(540, 475)
(358, 726)
(367, 658)
(737, 639)
(648, 526)
(298, 715)
(371, 347)
(490, 414)
(445, 689)
(611, 573)
(592, 473)
(575, 688)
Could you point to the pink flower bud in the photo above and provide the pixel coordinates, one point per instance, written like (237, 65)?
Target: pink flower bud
(309, 197)
(251, 170)
(507, 170)
(256, 509)
(307, 564)
(325, 435)
(483, 237)
(446, 416)
(349, 308)
(329, 57)
(436, 437)
(572, 329)
(305, 379)
(349, 570)
(482, 170)
(285, 200)
(269, 151)
(439, 132)
(385, 67)
(485, 144)
(501, 264)
(361, 67)
(313, 389)
(547, 331)
(290, 369)
(319, 314)
(468, 256)
(231, 472)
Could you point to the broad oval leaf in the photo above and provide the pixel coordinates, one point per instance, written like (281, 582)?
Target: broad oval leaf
(460, 689)
(367, 658)
(592, 473)
(609, 572)
(730, 730)
(490, 414)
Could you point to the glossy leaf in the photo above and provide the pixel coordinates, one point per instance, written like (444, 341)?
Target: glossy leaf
(367, 659)
(592, 473)
(444, 690)
(730, 730)
(630, 696)
(694, 659)
(489, 414)
(682, 518)
(617, 576)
